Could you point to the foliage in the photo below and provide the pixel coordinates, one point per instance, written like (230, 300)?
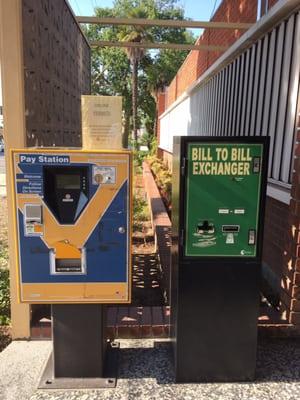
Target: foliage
(163, 177)
(139, 156)
(3, 255)
(140, 211)
(140, 208)
(111, 68)
(4, 285)
(4, 297)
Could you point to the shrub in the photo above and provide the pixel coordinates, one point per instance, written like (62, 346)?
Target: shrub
(162, 177)
(4, 297)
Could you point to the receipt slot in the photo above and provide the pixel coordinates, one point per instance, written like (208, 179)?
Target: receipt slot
(217, 226)
(73, 246)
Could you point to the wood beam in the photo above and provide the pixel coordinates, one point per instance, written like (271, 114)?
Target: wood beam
(149, 45)
(12, 73)
(171, 23)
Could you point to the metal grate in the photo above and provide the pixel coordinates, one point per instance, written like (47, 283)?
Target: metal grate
(256, 94)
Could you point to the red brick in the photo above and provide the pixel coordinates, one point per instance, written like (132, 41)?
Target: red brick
(122, 328)
(295, 318)
(111, 316)
(35, 332)
(297, 150)
(158, 325)
(295, 305)
(146, 322)
(197, 62)
(46, 331)
(297, 279)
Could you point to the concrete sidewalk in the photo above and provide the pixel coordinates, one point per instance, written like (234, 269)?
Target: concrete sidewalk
(20, 366)
(145, 372)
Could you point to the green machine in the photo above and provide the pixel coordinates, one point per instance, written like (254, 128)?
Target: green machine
(222, 203)
(217, 226)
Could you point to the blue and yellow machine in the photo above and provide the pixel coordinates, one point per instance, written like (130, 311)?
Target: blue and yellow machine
(73, 225)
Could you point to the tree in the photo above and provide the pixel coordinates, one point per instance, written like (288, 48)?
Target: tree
(136, 34)
(113, 69)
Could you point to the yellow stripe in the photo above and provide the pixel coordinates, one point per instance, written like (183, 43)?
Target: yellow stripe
(75, 293)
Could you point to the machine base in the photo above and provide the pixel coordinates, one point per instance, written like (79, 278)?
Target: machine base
(109, 379)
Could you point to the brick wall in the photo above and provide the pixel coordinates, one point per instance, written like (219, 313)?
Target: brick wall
(197, 62)
(282, 242)
(292, 283)
(281, 255)
(271, 3)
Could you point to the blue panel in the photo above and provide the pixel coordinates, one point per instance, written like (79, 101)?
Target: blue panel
(106, 250)
(106, 247)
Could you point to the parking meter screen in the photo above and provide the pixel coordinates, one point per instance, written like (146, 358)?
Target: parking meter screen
(68, 181)
(222, 199)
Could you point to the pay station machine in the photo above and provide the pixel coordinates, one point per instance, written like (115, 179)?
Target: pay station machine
(217, 227)
(73, 236)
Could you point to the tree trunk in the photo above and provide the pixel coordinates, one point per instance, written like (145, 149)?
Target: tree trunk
(134, 98)
(126, 131)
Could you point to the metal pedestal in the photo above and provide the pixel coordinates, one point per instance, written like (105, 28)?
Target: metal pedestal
(215, 321)
(81, 357)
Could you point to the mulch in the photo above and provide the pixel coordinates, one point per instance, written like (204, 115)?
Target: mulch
(5, 337)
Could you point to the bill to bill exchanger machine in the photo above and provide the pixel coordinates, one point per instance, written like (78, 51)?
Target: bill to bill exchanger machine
(73, 230)
(223, 192)
(218, 202)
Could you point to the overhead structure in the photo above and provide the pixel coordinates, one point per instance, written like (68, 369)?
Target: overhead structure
(171, 23)
(149, 45)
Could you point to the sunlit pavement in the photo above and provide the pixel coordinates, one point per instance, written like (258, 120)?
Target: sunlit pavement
(2, 177)
(146, 372)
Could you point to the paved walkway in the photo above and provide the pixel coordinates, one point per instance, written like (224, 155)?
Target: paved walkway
(145, 372)
(161, 226)
(2, 175)
(2, 185)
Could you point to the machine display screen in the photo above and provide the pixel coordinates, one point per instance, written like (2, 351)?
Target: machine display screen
(68, 181)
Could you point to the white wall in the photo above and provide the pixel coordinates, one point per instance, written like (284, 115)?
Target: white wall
(175, 123)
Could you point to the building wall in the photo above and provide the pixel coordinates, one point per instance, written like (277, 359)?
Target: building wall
(199, 61)
(56, 73)
(255, 93)
(161, 106)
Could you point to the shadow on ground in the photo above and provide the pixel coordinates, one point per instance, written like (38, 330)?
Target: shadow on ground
(277, 361)
(146, 285)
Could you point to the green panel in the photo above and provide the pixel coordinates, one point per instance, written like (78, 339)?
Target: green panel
(222, 199)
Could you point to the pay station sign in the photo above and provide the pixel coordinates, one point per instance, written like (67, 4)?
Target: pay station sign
(222, 199)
